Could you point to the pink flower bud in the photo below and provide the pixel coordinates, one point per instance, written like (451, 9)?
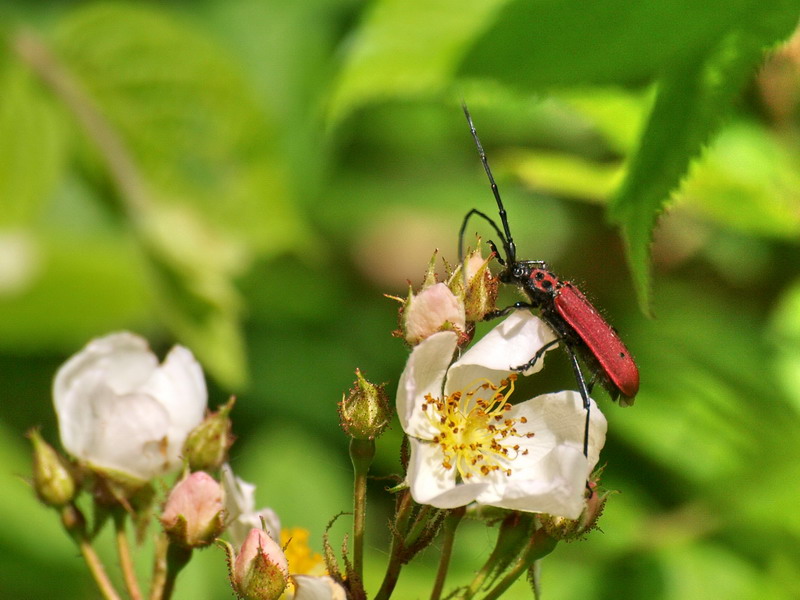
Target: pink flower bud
(434, 309)
(193, 513)
(260, 570)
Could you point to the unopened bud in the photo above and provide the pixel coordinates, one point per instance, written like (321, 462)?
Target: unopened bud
(432, 309)
(206, 447)
(364, 413)
(193, 514)
(572, 529)
(53, 479)
(260, 570)
(473, 282)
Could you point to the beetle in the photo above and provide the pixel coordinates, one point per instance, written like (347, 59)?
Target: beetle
(575, 321)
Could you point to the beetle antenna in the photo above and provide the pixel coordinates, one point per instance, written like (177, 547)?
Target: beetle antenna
(508, 241)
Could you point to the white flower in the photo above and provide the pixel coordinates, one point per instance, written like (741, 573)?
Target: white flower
(469, 444)
(240, 504)
(120, 411)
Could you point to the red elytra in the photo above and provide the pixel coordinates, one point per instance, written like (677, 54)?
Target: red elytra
(600, 339)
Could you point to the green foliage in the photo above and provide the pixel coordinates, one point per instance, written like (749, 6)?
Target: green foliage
(28, 119)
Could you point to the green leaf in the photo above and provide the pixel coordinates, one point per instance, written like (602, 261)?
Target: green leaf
(532, 45)
(752, 169)
(692, 99)
(31, 147)
(188, 116)
(193, 275)
(564, 174)
(405, 48)
(786, 333)
(180, 134)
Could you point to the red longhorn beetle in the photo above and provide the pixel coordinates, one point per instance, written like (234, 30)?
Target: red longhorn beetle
(564, 308)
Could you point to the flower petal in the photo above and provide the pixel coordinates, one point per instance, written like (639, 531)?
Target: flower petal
(95, 394)
(97, 364)
(430, 483)
(240, 505)
(565, 417)
(181, 388)
(309, 587)
(550, 472)
(127, 434)
(557, 489)
(424, 374)
(512, 343)
(123, 356)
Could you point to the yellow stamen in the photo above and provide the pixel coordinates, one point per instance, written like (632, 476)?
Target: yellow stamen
(475, 436)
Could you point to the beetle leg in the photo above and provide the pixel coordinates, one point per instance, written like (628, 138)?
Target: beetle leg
(502, 312)
(584, 395)
(498, 258)
(539, 353)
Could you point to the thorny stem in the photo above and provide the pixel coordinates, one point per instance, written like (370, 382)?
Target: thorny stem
(361, 454)
(419, 525)
(124, 553)
(451, 522)
(539, 545)
(74, 523)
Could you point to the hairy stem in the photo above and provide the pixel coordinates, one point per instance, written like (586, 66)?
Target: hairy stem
(361, 454)
(539, 546)
(451, 522)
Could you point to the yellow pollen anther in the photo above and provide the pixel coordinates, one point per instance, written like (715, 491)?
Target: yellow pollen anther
(474, 433)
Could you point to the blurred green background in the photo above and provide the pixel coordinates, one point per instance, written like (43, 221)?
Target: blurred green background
(250, 177)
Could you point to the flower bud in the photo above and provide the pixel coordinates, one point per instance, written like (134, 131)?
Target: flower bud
(193, 513)
(364, 413)
(434, 308)
(123, 414)
(473, 282)
(260, 570)
(572, 529)
(207, 445)
(53, 479)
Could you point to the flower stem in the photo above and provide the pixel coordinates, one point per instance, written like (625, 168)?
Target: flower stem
(401, 516)
(159, 567)
(418, 527)
(124, 553)
(451, 522)
(539, 545)
(177, 558)
(361, 454)
(75, 524)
